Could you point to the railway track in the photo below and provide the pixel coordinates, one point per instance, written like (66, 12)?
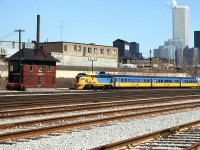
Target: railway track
(186, 136)
(89, 106)
(89, 119)
(100, 108)
(50, 99)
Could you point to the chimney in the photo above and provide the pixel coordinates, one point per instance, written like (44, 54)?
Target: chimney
(38, 31)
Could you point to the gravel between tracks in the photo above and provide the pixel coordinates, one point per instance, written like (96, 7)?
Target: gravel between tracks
(99, 135)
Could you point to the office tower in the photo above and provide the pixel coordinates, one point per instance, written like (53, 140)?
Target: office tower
(181, 25)
(197, 39)
(126, 49)
(178, 51)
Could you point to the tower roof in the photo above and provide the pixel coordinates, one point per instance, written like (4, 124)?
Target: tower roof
(181, 6)
(33, 54)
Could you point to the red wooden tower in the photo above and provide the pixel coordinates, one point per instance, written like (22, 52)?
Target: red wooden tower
(38, 70)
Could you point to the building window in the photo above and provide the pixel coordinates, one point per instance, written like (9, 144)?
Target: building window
(11, 66)
(79, 48)
(30, 66)
(89, 50)
(39, 82)
(48, 67)
(40, 68)
(108, 51)
(84, 49)
(102, 51)
(65, 49)
(41, 47)
(14, 66)
(75, 47)
(95, 50)
(114, 52)
(13, 44)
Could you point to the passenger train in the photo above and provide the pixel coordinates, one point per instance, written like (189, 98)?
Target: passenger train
(107, 81)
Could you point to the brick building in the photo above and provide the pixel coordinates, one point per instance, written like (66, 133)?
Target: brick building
(79, 54)
(38, 70)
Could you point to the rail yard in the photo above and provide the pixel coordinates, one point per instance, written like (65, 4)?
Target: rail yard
(100, 119)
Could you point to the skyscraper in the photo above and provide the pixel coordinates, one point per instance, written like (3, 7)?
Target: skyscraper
(197, 39)
(181, 30)
(181, 24)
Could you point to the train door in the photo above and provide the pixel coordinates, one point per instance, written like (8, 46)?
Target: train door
(114, 81)
(152, 82)
(132, 82)
(118, 82)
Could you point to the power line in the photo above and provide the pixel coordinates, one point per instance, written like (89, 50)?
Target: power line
(6, 35)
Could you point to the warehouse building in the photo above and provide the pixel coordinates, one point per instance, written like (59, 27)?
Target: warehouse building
(79, 54)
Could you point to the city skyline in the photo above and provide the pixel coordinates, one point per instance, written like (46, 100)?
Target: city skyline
(100, 22)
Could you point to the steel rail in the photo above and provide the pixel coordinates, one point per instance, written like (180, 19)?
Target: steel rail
(104, 113)
(130, 143)
(52, 129)
(34, 112)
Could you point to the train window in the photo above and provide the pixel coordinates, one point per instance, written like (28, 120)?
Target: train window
(144, 80)
(122, 80)
(125, 80)
(129, 80)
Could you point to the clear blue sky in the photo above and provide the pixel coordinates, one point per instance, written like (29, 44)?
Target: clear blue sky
(147, 22)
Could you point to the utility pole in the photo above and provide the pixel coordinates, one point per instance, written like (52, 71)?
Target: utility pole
(150, 59)
(20, 69)
(61, 30)
(92, 59)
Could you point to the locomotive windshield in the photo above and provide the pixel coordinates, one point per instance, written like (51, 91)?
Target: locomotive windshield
(79, 76)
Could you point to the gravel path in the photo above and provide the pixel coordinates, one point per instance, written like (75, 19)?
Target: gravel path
(100, 135)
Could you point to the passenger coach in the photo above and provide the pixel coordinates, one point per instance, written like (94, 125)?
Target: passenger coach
(103, 80)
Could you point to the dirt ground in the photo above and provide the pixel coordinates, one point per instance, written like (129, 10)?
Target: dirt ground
(65, 83)
(60, 83)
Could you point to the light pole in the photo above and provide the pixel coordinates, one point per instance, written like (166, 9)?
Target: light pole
(150, 59)
(20, 69)
(92, 59)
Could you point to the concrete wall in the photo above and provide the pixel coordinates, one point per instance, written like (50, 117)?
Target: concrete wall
(78, 54)
(84, 61)
(72, 74)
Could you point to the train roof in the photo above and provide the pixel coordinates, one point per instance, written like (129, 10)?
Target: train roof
(124, 76)
(97, 73)
(155, 77)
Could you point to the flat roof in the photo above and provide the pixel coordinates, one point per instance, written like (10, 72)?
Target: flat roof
(181, 6)
(92, 44)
